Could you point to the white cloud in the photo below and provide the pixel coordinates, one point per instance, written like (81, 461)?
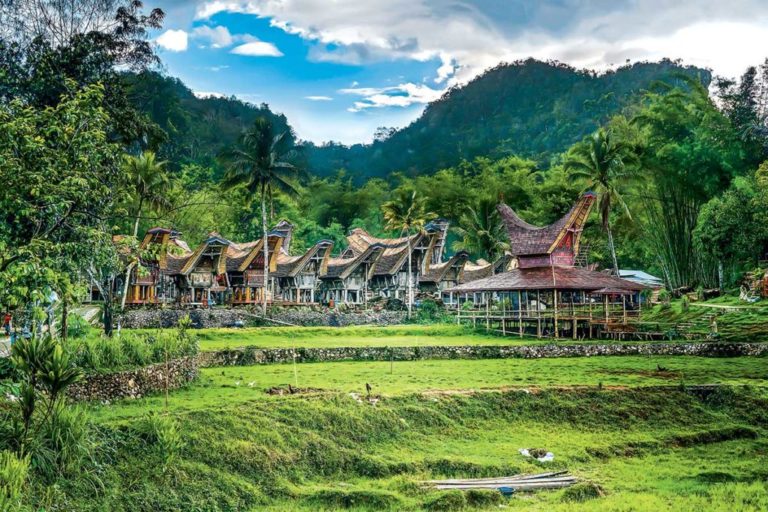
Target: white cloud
(469, 36)
(173, 40)
(257, 49)
(218, 37)
(318, 98)
(403, 95)
(208, 94)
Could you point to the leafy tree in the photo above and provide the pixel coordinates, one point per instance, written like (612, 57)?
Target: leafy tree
(61, 178)
(745, 103)
(601, 162)
(481, 231)
(690, 153)
(46, 43)
(407, 214)
(260, 164)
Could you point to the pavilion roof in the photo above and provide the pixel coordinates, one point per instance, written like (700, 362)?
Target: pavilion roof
(547, 278)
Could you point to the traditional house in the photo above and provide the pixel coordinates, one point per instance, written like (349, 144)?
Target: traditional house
(245, 272)
(543, 292)
(300, 277)
(390, 273)
(347, 279)
(150, 281)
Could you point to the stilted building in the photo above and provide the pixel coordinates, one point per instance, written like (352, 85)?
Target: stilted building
(542, 292)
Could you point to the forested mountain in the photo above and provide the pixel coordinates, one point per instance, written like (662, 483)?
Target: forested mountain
(531, 108)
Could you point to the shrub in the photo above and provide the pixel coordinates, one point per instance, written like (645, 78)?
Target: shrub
(369, 500)
(448, 500)
(77, 326)
(483, 498)
(13, 475)
(468, 305)
(163, 434)
(685, 304)
(65, 443)
(583, 492)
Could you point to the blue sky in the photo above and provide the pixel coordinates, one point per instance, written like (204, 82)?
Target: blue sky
(341, 68)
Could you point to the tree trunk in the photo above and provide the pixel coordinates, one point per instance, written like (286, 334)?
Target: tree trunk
(108, 316)
(266, 248)
(138, 218)
(64, 320)
(410, 285)
(613, 249)
(126, 284)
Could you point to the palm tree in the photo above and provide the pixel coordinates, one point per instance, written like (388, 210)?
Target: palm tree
(260, 162)
(481, 231)
(406, 213)
(602, 162)
(150, 186)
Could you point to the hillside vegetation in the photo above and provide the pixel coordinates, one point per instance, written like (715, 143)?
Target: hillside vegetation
(334, 453)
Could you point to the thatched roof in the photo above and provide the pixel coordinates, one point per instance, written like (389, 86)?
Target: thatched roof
(547, 278)
(528, 240)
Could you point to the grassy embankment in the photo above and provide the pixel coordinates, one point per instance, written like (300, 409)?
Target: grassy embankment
(646, 450)
(241, 384)
(736, 320)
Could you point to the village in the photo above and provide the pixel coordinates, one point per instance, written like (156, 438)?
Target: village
(302, 256)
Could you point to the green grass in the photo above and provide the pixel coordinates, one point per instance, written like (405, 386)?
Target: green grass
(646, 449)
(748, 324)
(233, 385)
(363, 336)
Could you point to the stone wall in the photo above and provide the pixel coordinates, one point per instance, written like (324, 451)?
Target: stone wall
(252, 355)
(135, 383)
(227, 317)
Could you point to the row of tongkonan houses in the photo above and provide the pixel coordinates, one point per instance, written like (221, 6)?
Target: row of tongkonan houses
(541, 262)
(220, 271)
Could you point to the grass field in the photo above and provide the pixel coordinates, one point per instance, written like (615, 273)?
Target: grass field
(640, 448)
(638, 438)
(220, 386)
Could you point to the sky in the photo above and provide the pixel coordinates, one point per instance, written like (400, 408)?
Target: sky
(338, 69)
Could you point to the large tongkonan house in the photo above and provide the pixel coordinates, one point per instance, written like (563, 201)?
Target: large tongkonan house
(544, 291)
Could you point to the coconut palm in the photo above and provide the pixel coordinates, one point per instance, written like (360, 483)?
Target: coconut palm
(149, 186)
(406, 213)
(260, 162)
(602, 162)
(481, 231)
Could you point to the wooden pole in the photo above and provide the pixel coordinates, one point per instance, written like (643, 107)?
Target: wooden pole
(624, 308)
(557, 334)
(520, 312)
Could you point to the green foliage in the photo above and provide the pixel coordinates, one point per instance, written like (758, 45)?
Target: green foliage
(163, 434)
(509, 110)
(446, 501)
(582, 492)
(130, 350)
(690, 153)
(13, 477)
(60, 182)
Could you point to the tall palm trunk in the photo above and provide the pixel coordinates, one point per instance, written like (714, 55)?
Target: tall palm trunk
(265, 243)
(613, 248)
(410, 284)
(133, 263)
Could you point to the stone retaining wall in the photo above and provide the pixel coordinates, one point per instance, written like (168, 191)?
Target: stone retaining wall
(251, 355)
(135, 383)
(227, 317)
